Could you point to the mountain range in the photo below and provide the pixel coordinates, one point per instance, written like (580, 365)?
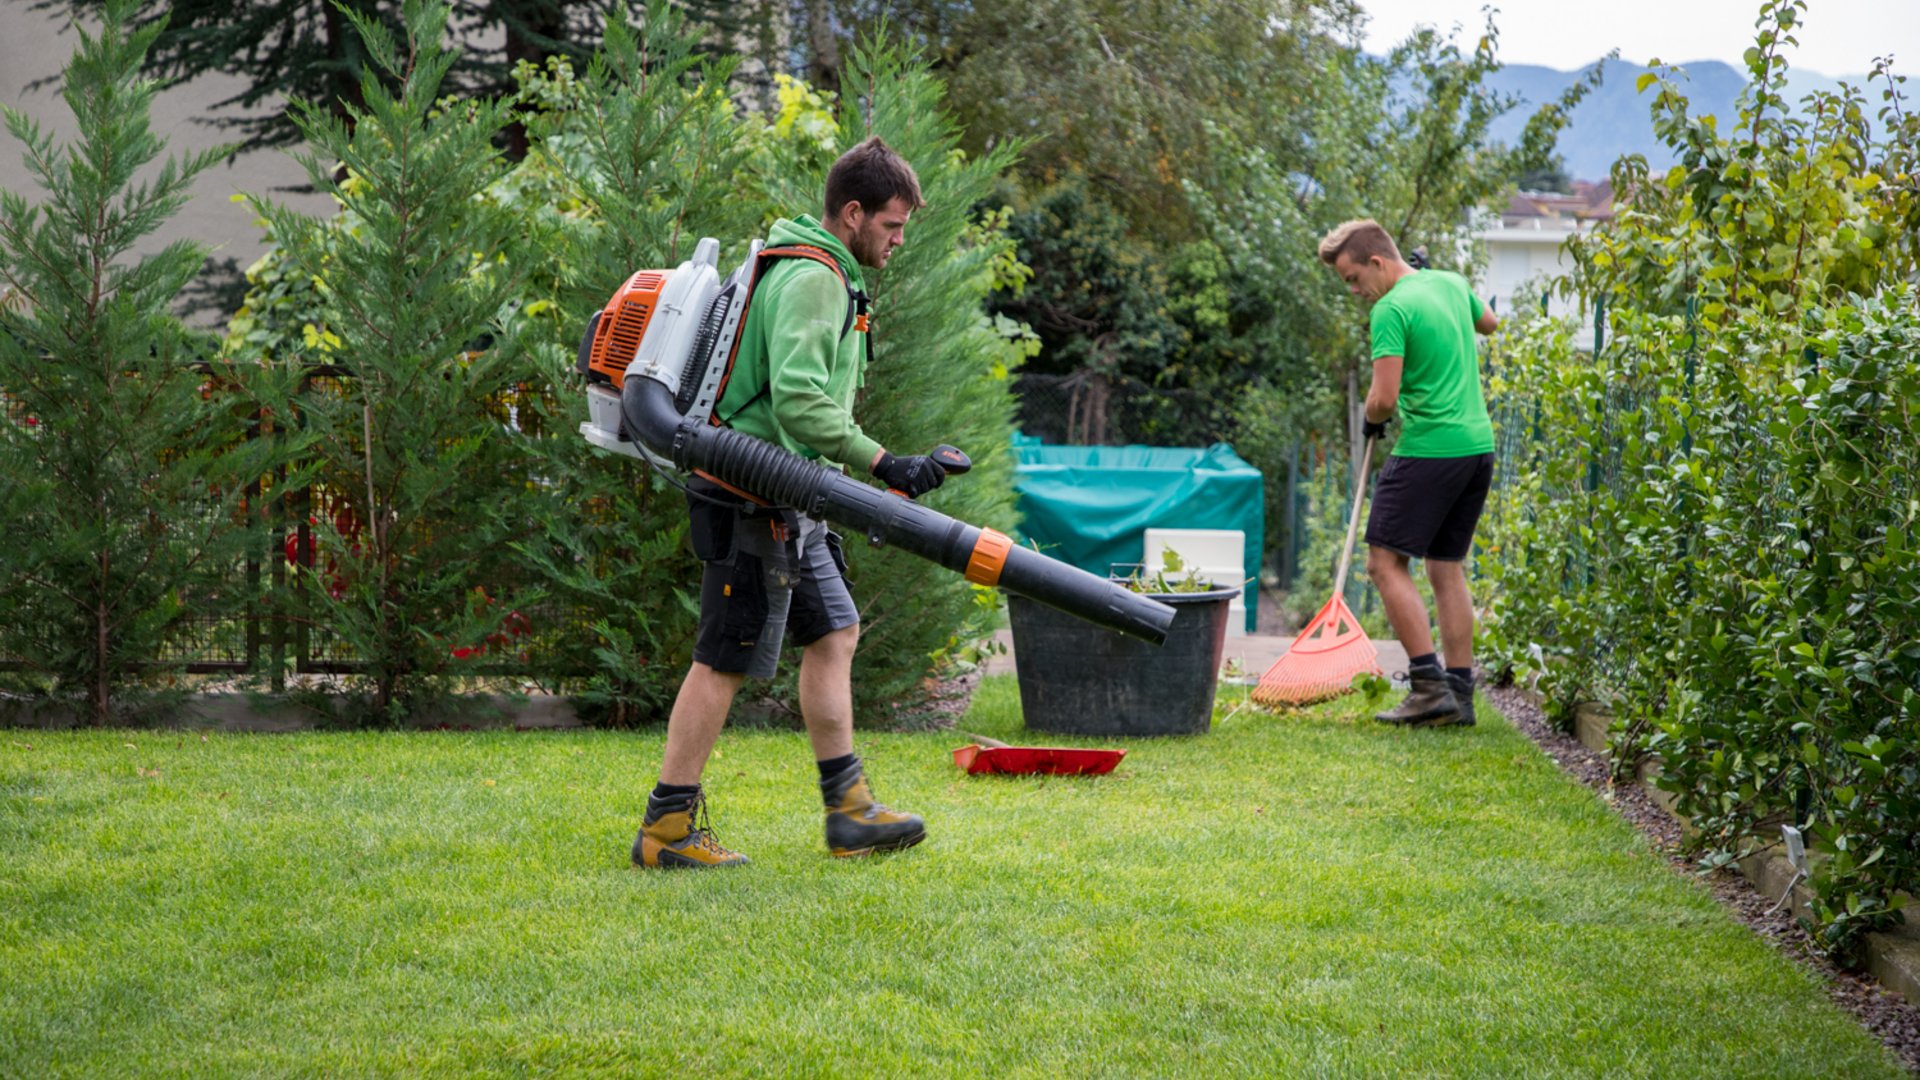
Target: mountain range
(1613, 119)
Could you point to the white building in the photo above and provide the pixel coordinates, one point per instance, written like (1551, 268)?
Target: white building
(1527, 246)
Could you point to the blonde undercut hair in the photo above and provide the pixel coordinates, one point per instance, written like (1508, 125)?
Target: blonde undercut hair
(1359, 241)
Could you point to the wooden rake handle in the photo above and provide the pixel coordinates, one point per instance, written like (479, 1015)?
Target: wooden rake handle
(1353, 521)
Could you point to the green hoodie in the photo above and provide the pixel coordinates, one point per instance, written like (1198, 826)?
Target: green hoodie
(796, 375)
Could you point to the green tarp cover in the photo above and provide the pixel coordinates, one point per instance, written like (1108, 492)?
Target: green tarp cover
(1091, 505)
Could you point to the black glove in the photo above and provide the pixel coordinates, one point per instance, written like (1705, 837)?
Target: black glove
(911, 476)
(1374, 430)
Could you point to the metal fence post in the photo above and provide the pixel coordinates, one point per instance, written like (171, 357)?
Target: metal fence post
(277, 548)
(1290, 554)
(254, 505)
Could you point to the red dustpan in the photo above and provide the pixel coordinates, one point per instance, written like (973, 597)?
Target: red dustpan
(993, 756)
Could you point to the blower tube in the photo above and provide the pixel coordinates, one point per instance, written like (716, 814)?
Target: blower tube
(787, 479)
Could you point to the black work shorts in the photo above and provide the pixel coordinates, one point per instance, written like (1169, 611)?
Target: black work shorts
(1426, 508)
(768, 574)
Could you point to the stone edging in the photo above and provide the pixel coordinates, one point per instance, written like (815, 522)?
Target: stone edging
(1892, 957)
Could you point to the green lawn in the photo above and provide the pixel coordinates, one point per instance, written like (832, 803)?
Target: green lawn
(1304, 895)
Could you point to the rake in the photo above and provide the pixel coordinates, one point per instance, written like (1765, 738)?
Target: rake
(1332, 649)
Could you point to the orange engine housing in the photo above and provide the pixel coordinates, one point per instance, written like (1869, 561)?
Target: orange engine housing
(616, 337)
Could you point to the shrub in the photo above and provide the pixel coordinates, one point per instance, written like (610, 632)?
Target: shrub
(629, 166)
(646, 155)
(1710, 523)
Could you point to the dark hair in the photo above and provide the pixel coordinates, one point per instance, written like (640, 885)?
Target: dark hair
(872, 175)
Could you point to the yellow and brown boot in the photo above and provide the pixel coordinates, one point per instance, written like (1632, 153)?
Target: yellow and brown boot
(671, 840)
(856, 825)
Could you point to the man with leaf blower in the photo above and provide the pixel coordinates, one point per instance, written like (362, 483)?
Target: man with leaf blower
(768, 571)
(1431, 491)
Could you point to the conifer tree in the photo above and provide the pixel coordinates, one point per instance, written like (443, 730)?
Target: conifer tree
(939, 368)
(410, 439)
(650, 150)
(124, 471)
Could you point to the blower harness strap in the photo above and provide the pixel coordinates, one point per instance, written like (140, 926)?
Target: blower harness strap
(858, 306)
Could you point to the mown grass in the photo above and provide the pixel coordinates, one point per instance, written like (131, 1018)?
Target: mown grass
(1308, 895)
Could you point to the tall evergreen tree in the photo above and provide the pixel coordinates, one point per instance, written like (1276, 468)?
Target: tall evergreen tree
(308, 50)
(939, 367)
(124, 471)
(648, 152)
(410, 440)
(282, 49)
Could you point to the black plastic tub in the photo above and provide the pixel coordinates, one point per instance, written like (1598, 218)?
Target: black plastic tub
(1080, 679)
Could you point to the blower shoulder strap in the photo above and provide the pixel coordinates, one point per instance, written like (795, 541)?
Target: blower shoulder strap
(857, 301)
(857, 307)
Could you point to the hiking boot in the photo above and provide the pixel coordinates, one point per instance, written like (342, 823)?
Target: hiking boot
(1429, 701)
(856, 825)
(1462, 687)
(673, 842)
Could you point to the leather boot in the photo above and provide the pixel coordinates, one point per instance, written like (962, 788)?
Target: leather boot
(673, 841)
(1462, 687)
(1429, 701)
(857, 825)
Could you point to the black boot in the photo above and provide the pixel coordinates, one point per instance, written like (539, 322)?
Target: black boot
(1429, 701)
(1462, 687)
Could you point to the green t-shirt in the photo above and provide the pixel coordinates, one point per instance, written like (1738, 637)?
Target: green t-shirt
(1427, 319)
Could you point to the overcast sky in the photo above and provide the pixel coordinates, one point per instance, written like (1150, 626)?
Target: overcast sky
(1840, 37)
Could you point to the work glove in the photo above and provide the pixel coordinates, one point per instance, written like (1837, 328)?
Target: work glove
(910, 476)
(1371, 430)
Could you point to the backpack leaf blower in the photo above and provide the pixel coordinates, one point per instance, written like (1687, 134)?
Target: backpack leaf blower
(656, 359)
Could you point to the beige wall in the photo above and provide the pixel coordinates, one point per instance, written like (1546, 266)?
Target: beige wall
(33, 46)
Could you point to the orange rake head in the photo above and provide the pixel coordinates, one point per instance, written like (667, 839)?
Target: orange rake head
(1323, 662)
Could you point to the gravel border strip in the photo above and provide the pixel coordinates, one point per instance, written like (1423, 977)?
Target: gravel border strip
(1881, 1011)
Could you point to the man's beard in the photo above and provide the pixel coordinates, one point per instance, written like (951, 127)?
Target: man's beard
(869, 251)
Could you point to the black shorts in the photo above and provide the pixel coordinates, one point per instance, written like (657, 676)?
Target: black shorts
(1426, 508)
(768, 574)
